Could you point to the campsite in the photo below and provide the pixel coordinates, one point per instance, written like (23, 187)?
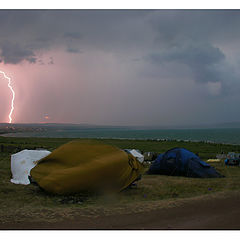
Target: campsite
(119, 119)
(154, 202)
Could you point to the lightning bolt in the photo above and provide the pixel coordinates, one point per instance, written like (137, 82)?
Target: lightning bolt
(13, 95)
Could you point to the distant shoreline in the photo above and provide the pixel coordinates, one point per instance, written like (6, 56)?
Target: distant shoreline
(26, 135)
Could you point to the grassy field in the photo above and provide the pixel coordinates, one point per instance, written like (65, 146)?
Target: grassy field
(29, 203)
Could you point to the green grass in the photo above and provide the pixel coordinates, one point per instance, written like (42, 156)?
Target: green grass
(205, 150)
(30, 203)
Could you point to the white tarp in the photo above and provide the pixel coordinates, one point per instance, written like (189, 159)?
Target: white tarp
(137, 155)
(22, 162)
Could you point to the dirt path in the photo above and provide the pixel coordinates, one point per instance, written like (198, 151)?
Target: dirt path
(207, 213)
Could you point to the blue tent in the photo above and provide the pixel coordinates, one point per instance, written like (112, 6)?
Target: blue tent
(181, 162)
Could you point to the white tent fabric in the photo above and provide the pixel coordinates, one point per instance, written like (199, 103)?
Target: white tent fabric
(137, 155)
(22, 162)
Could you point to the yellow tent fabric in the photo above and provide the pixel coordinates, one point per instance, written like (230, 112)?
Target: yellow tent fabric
(86, 166)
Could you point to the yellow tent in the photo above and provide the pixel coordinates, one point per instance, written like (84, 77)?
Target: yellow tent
(86, 166)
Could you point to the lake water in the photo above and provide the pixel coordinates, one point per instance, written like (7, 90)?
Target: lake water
(228, 135)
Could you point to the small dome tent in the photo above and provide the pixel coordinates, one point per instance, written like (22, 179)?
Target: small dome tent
(181, 162)
(86, 165)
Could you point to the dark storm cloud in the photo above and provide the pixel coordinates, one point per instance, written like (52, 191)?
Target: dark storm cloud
(204, 60)
(19, 19)
(13, 53)
(195, 38)
(118, 30)
(43, 30)
(207, 25)
(200, 40)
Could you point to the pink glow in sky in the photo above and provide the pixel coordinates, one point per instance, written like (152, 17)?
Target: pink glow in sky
(121, 67)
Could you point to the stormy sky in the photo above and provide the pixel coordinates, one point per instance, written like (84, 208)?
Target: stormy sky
(121, 67)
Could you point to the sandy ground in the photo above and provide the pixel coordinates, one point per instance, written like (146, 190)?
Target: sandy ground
(206, 213)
